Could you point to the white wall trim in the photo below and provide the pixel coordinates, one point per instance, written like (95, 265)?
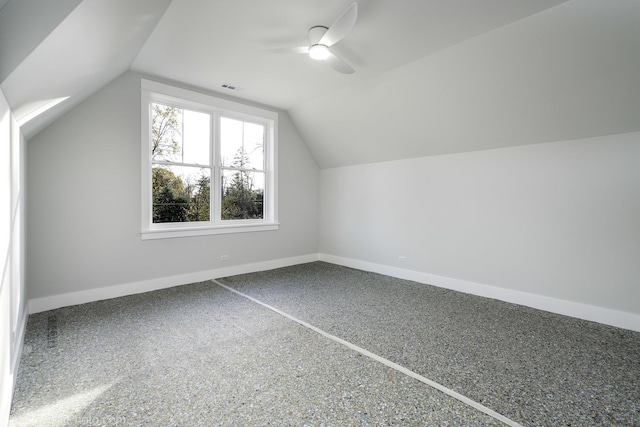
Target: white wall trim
(38, 305)
(17, 343)
(619, 319)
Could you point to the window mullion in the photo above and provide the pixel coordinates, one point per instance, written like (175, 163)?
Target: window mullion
(166, 163)
(182, 136)
(215, 192)
(267, 187)
(232, 168)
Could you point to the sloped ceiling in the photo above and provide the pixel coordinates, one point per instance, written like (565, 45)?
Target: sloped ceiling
(566, 73)
(432, 76)
(57, 53)
(24, 25)
(215, 42)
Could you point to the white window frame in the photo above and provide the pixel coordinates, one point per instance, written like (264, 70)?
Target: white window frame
(151, 92)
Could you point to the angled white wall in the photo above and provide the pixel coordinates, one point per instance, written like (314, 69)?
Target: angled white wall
(84, 207)
(550, 225)
(12, 289)
(23, 26)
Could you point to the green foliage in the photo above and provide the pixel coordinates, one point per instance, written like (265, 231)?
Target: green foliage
(175, 201)
(240, 200)
(200, 195)
(169, 201)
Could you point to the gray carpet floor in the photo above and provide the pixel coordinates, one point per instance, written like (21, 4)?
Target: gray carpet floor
(200, 354)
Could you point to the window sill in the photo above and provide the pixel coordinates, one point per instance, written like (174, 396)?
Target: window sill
(170, 233)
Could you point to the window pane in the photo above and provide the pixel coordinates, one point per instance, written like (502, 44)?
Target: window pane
(231, 142)
(242, 144)
(179, 135)
(196, 134)
(166, 133)
(242, 195)
(180, 193)
(254, 146)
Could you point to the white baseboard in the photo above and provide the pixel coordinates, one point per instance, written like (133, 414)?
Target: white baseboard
(606, 316)
(619, 319)
(9, 381)
(38, 305)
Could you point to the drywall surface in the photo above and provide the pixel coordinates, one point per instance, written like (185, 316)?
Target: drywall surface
(84, 203)
(565, 73)
(23, 26)
(559, 220)
(12, 288)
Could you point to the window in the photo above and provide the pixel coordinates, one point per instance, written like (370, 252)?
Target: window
(208, 164)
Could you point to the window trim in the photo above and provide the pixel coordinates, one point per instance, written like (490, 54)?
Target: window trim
(152, 91)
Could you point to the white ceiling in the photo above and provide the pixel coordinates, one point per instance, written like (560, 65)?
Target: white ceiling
(432, 76)
(569, 72)
(215, 42)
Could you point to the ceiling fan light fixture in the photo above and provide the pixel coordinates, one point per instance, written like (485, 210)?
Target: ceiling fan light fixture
(319, 51)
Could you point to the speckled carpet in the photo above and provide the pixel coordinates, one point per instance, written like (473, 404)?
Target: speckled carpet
(201, 355)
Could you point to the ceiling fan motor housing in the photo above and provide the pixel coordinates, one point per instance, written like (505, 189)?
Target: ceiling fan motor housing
(316, 33)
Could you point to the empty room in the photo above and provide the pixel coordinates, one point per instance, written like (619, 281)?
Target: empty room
(320, 213)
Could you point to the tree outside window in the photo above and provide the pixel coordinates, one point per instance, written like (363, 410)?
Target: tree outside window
(182, 168)
(208, 164)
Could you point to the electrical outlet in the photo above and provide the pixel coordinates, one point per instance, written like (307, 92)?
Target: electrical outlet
(402, 258)
(224, 258)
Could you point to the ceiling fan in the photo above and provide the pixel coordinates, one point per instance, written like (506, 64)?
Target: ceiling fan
(321, 38)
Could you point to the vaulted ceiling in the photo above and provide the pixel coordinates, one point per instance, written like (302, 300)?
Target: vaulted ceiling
(432, 76)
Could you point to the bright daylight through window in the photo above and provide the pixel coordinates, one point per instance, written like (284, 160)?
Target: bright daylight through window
(208, 164)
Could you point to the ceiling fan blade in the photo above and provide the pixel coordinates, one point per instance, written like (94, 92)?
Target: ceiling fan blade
(299, 49)
(339, 65)
(341, 27)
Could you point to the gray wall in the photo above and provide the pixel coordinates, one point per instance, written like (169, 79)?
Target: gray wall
(556, 220)
(84, 203)
(559, 220)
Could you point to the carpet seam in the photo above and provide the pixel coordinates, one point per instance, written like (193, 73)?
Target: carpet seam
(399, 368)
